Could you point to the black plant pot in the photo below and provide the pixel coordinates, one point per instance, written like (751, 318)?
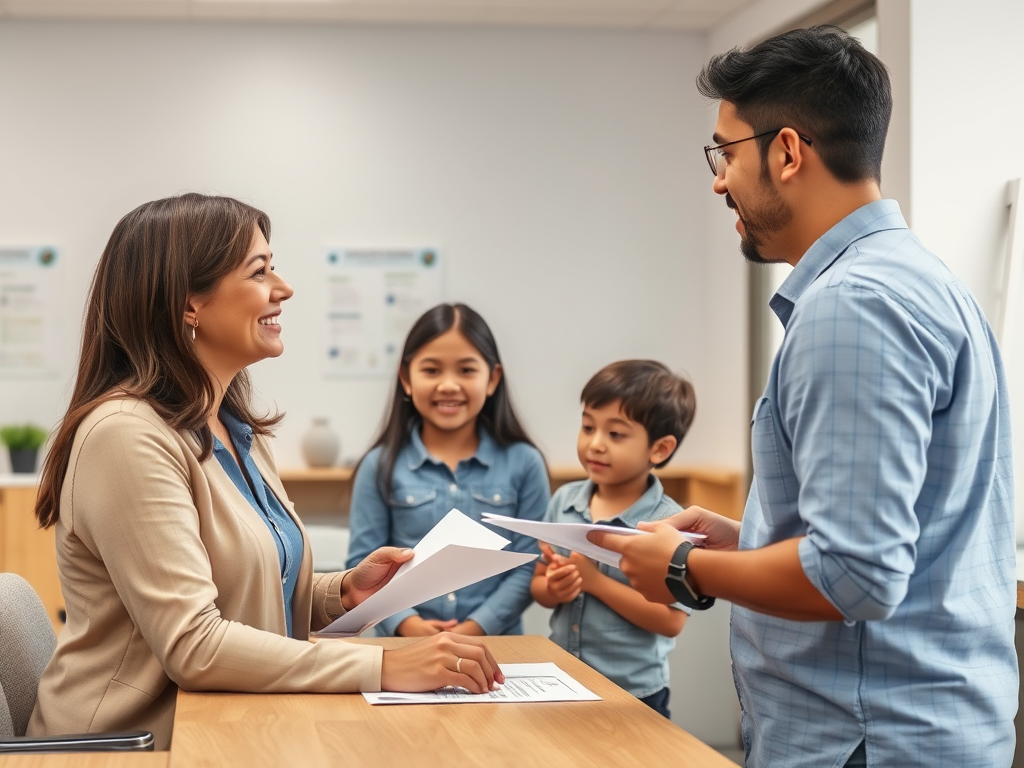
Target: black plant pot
(23, 459)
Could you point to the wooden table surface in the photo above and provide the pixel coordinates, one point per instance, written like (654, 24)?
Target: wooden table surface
(88, 760)
(312, 730)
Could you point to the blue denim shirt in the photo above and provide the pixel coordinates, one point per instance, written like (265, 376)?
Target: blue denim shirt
(510, 481)
(283, 530)
(883, 438)
(631, 657)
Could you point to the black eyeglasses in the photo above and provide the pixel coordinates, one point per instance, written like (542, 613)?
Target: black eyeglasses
(716, 159)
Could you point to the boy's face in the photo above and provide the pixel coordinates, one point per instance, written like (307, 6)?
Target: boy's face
(613, 448)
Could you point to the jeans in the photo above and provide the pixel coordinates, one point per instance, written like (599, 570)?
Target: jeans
(658, 702)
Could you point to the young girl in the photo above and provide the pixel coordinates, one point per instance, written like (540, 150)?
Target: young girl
(450, 438)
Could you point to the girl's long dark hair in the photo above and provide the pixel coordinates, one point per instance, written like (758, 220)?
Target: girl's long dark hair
(135, 340)
(400, 419)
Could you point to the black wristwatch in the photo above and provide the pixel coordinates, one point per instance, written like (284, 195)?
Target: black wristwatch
(680, 586)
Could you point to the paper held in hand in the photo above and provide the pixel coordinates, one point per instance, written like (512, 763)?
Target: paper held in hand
(574, 535)
(455, 553)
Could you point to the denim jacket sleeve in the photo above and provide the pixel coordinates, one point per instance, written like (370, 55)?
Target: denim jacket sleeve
(512, 596)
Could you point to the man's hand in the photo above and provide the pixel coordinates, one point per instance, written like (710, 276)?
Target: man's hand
(645, 559)
(721, 532)
(371, 574)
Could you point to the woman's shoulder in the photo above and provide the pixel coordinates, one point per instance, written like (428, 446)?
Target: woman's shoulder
(123, 414)
(126, 429)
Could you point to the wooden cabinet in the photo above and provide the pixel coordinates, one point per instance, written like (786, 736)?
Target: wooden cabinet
(27, 550)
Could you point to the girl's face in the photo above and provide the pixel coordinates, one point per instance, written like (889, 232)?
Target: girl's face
(449, 382)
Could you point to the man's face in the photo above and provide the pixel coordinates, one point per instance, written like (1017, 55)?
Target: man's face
(748, 189)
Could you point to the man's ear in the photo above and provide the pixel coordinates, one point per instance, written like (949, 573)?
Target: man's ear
(495, 379)
(792, 153)
(662, 449)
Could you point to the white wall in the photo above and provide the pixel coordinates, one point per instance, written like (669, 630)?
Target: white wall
(558, 172)
(962, 73)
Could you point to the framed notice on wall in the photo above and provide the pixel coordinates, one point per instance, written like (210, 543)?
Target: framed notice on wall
(30, 312)
(373, 296)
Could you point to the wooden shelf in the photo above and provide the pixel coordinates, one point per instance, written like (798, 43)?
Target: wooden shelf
(325, 494)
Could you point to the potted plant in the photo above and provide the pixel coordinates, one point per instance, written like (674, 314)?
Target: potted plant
(23, 441)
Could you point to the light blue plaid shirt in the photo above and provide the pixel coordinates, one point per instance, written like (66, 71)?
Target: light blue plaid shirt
(883, 437)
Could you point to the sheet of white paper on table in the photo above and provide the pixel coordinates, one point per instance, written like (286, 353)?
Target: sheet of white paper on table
(573, 535)
(460, 553)
(543, 681)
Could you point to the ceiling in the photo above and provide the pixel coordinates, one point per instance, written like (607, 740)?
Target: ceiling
(694, 15)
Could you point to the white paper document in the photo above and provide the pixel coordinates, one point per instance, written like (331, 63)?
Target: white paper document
(574, 535)
(455, 553)
(523, 683)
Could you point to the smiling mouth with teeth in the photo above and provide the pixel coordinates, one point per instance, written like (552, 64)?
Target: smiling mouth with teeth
(268, 320)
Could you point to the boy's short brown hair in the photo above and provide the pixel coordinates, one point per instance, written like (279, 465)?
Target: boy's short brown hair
(660, 401)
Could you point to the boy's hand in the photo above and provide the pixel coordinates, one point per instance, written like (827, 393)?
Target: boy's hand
(588, 570)
(564, 582)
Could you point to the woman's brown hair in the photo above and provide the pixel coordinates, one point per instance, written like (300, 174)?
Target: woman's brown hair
(135, 340)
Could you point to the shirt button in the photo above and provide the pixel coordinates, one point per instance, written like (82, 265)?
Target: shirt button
(497, 497)
(451, 597)
(409, 499)
(453, 487)
(576, 628)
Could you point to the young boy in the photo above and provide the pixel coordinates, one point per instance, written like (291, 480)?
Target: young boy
(635, 413)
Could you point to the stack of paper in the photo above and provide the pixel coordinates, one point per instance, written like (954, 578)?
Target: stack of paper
(574, 535)
(457, 552)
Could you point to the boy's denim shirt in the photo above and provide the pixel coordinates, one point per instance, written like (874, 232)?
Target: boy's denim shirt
(510, 481)
(631, 657)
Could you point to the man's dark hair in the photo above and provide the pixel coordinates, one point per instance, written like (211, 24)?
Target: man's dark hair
(819, 81)
(649, 394)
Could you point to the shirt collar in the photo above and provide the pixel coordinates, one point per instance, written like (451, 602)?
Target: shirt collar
(866, 220)
(239, 432)
(641, 509)
(419, 455)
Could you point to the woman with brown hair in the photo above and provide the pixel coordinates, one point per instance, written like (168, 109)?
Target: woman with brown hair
(181, 560)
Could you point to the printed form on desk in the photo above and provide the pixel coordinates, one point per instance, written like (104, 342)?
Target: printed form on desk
(523, 683)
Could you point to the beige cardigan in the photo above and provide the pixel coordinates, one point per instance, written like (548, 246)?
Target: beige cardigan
(171, 578)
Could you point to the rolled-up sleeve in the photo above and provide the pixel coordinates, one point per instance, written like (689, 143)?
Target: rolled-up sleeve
(863, 380)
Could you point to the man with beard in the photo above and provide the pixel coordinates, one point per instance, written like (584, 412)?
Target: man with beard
(873, 574)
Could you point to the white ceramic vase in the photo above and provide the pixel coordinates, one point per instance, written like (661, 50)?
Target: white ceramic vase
(320, 445)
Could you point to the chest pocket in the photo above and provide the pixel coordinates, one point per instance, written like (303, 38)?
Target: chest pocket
(498, 500)
(414, 511)
(777, 488)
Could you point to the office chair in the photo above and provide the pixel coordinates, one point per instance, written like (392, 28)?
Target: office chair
(26, 645)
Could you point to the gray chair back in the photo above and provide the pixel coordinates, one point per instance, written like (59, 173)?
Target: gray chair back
(26, 645)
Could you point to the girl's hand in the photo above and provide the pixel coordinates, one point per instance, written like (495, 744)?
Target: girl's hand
(564, 582)
(371, 574)
(444, 659)
(417, 626)
(468, 627)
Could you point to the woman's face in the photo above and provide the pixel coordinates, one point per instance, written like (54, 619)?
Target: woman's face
(239, 321)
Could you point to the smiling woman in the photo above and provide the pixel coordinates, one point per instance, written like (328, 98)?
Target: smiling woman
(180, 556)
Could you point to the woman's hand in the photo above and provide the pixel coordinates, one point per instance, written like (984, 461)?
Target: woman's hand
(371, 574)
(417, 626)
(444, 659)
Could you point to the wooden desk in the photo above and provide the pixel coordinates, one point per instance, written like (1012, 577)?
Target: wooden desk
(311, 730)
(89, 760)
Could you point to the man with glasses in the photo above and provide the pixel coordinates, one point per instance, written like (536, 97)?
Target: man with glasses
(872, 578)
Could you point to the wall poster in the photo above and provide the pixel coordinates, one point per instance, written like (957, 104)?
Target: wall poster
(373, 296)
(30, 312)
